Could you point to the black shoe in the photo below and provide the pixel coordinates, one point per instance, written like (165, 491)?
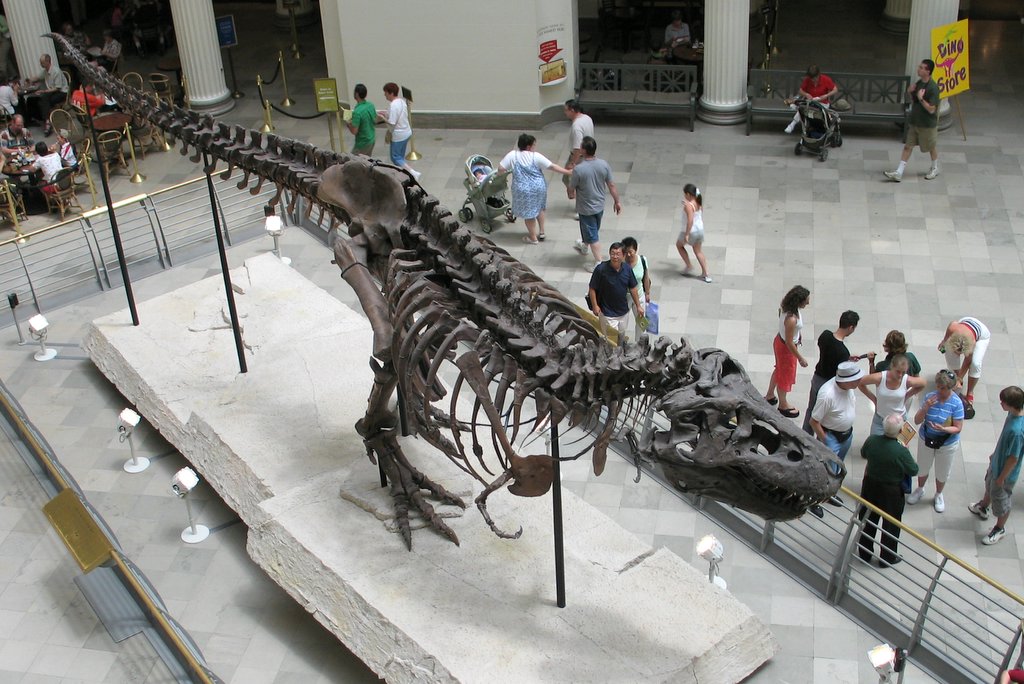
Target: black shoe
(835, 501)
(817, 510)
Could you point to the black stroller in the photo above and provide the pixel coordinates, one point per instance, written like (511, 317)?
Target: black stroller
(819, 128)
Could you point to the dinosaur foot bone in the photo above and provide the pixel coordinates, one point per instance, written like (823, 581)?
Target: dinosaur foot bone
(407, 486)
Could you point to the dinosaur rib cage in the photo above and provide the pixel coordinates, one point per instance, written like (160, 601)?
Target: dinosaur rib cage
(445, 287)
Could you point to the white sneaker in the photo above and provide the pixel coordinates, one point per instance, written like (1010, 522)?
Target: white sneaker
(939, 504)
(915, 496)
(707, 279)
(415, 174)
(580, 247)
(932, 174)
(978, 510)
(894, 176)
(994, 536)
(790, 128)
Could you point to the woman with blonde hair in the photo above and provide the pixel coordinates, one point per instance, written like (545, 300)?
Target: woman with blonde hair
(968, 338)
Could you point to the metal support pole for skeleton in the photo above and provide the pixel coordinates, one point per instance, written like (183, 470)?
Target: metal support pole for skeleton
(556, 511)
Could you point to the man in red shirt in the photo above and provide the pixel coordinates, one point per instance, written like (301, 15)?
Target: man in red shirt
(86, 94)
(816, 87)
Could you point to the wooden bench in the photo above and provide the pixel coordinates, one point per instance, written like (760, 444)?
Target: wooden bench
(873, 97)
(639, 88)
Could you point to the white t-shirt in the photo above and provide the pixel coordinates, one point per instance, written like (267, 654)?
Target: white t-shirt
(582, 126)
(525, 158)
(835, 408)
(8, 99)
(398, 119)
(49, 164)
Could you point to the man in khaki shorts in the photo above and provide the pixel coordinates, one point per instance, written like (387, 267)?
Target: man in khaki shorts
(924, 121)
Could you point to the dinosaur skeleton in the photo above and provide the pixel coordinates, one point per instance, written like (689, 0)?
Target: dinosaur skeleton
(436, 294)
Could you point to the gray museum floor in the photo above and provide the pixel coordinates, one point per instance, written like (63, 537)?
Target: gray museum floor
(910, 256)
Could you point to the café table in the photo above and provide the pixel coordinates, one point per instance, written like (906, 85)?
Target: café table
(687, 54)
(172, 63)
(24, 179)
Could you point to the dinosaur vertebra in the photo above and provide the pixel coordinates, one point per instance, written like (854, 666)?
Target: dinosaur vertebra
(435, 293)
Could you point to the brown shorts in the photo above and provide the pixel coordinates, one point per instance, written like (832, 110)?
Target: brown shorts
(925, 138)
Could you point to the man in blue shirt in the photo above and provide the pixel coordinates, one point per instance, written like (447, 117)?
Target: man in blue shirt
(1003, 466)
(609, 285)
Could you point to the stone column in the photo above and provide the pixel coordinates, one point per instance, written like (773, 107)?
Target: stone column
(896, 16)
(924, 16)
(27, 21)
(305, 13)
(726, 38)
(200, 55)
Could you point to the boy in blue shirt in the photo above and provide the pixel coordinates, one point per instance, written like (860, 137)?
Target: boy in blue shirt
(1004, 466)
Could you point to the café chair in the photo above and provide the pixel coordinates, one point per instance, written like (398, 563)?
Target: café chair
(145, 135)
(111, 149)
(133, 79)
(12, 205)
(60, 192)
(67, 120)
(161, 85)
(71, 89)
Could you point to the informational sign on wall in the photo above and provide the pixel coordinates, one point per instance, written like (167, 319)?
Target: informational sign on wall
(950, 53)
(552, 38)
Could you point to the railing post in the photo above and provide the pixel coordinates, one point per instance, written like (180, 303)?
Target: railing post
(922, 613)
(28, 277)
(839, 577)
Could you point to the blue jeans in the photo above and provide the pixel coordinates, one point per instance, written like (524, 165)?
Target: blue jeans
(398, 151)
(838, 448)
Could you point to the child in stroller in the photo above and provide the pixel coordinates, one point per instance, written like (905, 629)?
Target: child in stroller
(819, 128)
(485, 193)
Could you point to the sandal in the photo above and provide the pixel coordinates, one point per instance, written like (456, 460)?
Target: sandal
(790, 412)
(527, 240)
(772, 401)
(540, 237)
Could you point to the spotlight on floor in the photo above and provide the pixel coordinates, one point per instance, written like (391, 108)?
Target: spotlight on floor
(37, 328)
(183, 482)
(711, 550)
(886, 660)
(127, 422)
(275, 227)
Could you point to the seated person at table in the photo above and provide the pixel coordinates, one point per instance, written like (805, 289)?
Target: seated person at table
(53, 91)
(677, 32)
(88, 94)
(65, 149)
(78, 40)
(8, 96)
(110, 52)
(15, 134)
(816, 87)
(48, 163)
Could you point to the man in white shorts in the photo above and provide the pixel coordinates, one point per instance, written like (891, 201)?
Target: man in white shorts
(941, 417)
(582, 126)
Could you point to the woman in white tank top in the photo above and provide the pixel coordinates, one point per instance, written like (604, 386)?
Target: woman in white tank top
(894, 387)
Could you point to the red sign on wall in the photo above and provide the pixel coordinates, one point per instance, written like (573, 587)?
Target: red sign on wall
(548, 50)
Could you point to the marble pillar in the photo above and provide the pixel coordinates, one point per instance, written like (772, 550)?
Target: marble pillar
(201, 63)
(27, 22)
(726, 38)
(924, 16)
(896, 16)
(305, 13)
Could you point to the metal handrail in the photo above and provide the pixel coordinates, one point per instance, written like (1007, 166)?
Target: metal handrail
(52, 260)
(184, 648)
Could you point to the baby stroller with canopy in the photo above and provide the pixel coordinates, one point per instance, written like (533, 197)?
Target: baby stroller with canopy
(485, 193)
(819, 128)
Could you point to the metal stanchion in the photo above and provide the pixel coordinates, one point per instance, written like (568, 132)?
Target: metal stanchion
(296, 52)
(235, 93)
(136, 177)
(287, 101)
(268, 122)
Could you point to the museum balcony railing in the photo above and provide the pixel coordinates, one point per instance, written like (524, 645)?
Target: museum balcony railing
(955, 622)
(77, 256)
(122, 595)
